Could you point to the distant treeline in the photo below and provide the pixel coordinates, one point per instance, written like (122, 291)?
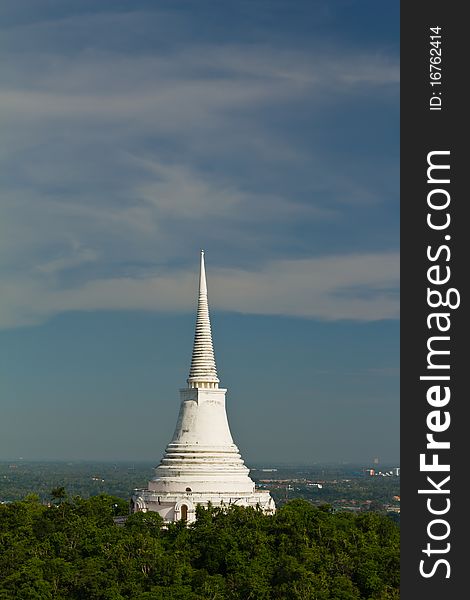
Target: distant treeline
(72, 549)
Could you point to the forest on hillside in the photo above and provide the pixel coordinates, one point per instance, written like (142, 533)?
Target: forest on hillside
(73, 549)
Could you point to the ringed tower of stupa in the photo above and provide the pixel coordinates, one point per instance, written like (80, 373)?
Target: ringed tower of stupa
(201, 464)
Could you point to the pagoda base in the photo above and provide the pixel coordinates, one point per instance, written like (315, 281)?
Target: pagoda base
(182, 506)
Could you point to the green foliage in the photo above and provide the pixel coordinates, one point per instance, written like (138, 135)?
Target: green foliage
(58, 494)
(72, 549)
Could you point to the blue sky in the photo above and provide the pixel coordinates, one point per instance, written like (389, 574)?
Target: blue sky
(136, 133)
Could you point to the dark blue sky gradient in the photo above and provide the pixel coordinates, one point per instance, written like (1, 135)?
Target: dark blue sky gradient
(137, 132)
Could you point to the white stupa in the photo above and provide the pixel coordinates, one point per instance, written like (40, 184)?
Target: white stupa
(201, 464)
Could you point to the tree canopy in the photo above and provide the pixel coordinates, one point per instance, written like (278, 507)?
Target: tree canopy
(72, 549)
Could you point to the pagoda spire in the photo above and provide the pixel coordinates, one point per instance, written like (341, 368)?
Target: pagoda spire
(203, 372)
(201, 465)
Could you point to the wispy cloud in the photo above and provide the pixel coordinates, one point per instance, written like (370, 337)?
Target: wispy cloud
(358, 287)
(120, 164)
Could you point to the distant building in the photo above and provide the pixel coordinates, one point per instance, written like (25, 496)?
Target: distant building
(201, 464)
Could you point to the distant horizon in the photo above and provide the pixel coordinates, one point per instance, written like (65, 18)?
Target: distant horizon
(251, 465)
